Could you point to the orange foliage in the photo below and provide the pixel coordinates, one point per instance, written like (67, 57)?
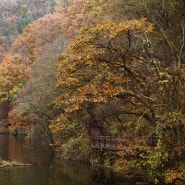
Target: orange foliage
(37, 36)
(13, 73)
(21, 122)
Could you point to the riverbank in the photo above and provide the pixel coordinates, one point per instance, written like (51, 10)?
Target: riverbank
(6, 128)
(45, 169)
(97, 159)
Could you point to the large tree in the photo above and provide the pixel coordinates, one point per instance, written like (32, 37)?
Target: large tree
(138, 64)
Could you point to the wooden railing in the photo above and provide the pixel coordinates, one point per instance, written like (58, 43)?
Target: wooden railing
(111, 142)
(104, 142)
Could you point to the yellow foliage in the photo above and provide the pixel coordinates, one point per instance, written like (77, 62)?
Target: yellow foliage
(90, 72)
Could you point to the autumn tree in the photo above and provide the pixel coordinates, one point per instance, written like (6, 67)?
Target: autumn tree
(15, 69)
(25, 49)
(35, 103)
(32, 45)
(126, 63)
(13, 75)
(97, 73)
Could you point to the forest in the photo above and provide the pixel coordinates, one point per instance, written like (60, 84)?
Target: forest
(71, 70)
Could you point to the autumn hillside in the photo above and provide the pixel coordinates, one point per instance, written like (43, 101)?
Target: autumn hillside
(73, 70)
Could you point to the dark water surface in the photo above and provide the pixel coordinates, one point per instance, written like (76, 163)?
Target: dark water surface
(44, 170)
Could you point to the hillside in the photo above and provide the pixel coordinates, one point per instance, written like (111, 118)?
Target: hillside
(85, 69)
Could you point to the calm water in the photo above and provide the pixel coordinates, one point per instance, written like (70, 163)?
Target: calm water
(44, 170)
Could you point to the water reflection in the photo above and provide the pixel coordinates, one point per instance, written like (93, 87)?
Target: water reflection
(3, 146)
(21, 150)
(43, 170)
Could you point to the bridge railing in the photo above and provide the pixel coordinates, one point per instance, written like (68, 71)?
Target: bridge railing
(104, 142)
(113, 143)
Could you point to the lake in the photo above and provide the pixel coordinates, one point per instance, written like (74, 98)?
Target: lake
(44, 169)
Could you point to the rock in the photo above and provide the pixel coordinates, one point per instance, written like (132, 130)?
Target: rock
(4, 164)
